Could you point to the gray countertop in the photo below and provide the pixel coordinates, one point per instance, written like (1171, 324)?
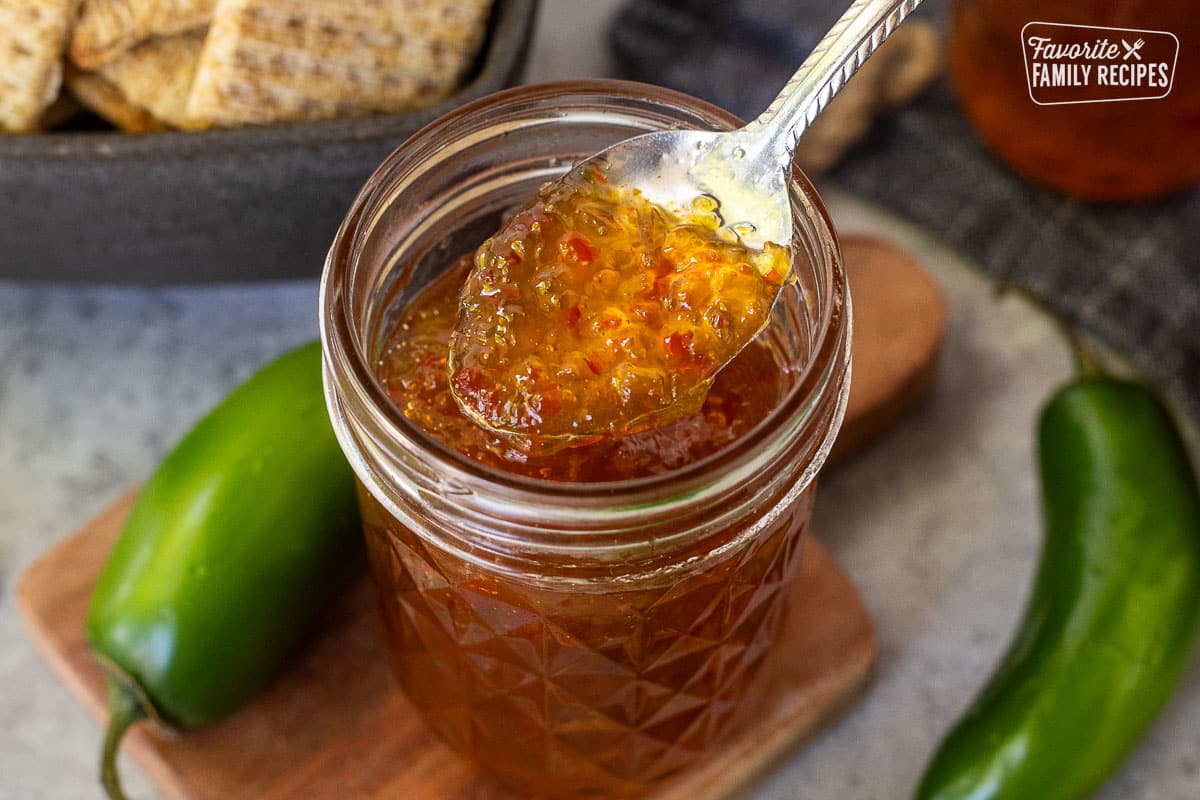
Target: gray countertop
(938, 525)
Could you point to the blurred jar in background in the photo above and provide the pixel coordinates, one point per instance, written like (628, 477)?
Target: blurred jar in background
(1111, 151)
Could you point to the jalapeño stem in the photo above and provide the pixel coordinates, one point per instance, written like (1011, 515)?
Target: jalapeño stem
(124, 708)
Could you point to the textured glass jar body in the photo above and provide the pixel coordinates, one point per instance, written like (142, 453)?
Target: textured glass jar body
(597, 691)
(576, 639)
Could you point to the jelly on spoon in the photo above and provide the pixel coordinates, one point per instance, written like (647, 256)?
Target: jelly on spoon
(608, 304)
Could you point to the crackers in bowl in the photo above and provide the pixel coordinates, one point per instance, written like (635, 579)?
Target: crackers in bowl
(148, 65)
(33, 36)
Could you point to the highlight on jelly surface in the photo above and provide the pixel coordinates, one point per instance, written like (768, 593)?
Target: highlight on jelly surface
(594, 312)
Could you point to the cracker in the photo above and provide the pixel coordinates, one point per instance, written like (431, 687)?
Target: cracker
(97, 94)
(33, 35)
(108, 28)
(276, 60)
(157, 75)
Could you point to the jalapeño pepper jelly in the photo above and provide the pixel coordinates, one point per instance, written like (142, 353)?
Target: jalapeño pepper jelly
(596, 312)
(587, 622)
(414, 371)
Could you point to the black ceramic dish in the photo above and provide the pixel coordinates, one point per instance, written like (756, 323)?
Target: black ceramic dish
(238, 204)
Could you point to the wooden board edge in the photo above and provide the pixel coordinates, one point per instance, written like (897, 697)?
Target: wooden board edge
(138, 741)
(773, 751)
(778, 742)
(37, 628)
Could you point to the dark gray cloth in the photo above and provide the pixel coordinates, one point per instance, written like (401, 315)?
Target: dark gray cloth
(1128, 273)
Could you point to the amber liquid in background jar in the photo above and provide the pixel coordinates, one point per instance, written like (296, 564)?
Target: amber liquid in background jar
(1110, 151)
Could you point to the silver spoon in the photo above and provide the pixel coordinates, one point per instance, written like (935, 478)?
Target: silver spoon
(746, 170)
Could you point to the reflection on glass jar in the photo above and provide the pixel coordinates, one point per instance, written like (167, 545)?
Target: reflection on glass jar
(1097, 150)
(596, 622)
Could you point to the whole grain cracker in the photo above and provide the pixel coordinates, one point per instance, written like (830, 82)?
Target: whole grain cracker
(33, 35)
(97, 94)
(157, 75)
(276, 60)
(108, 28)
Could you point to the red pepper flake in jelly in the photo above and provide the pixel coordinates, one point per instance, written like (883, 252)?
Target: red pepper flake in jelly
(594, 312)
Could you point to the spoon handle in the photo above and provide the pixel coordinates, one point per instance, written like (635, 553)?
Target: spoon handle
(850, 42)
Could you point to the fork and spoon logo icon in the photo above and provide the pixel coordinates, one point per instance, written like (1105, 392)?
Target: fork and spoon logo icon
(1131, 50)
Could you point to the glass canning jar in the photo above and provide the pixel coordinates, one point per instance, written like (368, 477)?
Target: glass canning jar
(577, 639)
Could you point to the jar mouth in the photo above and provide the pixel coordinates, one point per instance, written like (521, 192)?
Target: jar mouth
(349, 362)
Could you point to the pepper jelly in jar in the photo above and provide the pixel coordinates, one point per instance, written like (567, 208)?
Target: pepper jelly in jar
(591, 620)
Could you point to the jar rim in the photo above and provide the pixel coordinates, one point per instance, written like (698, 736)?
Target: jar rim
(346, 356)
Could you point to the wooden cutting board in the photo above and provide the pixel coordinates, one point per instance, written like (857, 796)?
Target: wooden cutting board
(336, 726)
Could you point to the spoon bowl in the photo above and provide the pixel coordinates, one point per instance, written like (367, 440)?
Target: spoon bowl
(609, 303)
(672, 168)
(745, 171)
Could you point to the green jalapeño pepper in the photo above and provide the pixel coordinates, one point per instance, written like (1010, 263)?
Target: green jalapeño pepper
(1114, 612)
(232, 549)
